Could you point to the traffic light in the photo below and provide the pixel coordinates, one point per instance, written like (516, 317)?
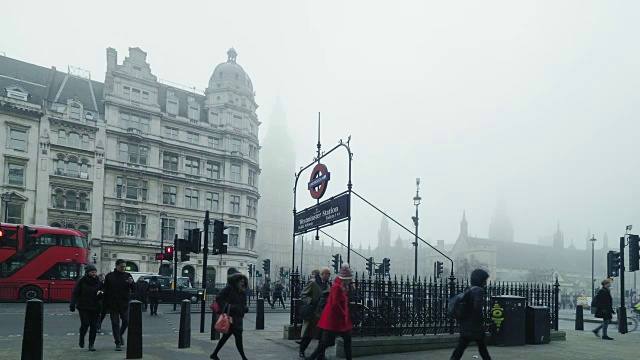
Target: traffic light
(386, 266)
(26, 232)
(286, 275)
(634, 252)
(168, 253)
(250, 270)
(439, 268)
(193, 241)
(219, 238)
(258, 273)
(281, 272)
(613, 263)
(266, 266)
(336, 262)
(184, 256)
(370, 266)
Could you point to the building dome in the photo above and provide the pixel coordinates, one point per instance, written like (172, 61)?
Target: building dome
(231, 73)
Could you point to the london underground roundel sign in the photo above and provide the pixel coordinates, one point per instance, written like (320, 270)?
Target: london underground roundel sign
(319, 180)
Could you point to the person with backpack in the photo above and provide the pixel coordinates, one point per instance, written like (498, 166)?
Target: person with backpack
(86, 297)
(335, 320)
(233, 302)
(153, 291)
(604, 309)
(311, 298)
(469, 310)
(266, 292)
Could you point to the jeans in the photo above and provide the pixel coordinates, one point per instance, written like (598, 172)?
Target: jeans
(464, 341)
(118, 330)
(603, 326)
(89, 321)
(328, 338)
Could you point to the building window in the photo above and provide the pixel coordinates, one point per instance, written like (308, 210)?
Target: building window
(235, 144)
(144, 190)
(190, 198)
(235, 173)
(169, 229)
(126, 91)
(14, 213)
(70, 201)
(250, 239)
(253, 177)
(16, 174)
(170, 162)
(235, 204)
(18, 139)
(251, 129)
(169, 194)
(74, 139)
(136, 94)
(171, 133)
(194, 113)
(193, 138)
(84, 171)
(131, 225)
(213, 170)
(85, 141)
(133, 153)
(214, 118)
(188, 225)
(75, 112)
(132, 188)
(134, 121)
(137, 71)
(83, 202)
(251, 208)
(213, 201)
(62, 137)
(253, 152)
(214, 142)
(119, 187)
(192, 166)
(172, 107)
(145, 96)
(72, 167)
(234, 231)
(237, 121)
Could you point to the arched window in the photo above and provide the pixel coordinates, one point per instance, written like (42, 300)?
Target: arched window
(71, 200)
(165, 270)
(84, 230)
(83, 202)
(72, 167)
(55, 224)
(57, 199)
(60, 167)
(131, 266)
(62, 137)
(232, 271)
(70, 226)
(85, 141)
(74, 139)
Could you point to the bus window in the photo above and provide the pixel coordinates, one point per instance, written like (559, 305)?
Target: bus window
(45, 239)
(62, 271)
(67, 240)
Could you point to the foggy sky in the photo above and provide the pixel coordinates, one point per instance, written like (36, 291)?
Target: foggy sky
(531, 102)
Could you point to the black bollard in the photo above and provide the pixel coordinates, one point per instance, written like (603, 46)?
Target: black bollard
(134, 332)
(33, 336)
(260, 314)
(579, 318)
(184, 333)
(214, 319)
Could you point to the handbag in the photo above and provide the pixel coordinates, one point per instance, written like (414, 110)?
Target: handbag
(215, 307)
(224, 322)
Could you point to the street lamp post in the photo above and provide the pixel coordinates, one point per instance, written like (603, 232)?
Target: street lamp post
(6, 197)
(95, 258)
(593, 243)
(163, 217)
(416, 202)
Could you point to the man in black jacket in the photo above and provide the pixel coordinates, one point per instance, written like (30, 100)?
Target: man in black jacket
(472, 322)
(118, 285)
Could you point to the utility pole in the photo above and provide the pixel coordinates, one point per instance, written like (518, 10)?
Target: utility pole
(205, 253)
(175, 271)
(416, 202)
(593, 279)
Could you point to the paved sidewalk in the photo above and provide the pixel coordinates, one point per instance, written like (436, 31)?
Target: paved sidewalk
(269, 345)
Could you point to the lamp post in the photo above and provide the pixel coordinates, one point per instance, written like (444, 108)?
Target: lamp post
(163, 218)
(593, 244)
(95, 258)
(6, 197)
(416, 202)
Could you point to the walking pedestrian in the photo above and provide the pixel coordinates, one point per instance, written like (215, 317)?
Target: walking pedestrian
(85, 297)
(118, 285)
(141, 290)
(277, 294)
(103, 308)
(335, 320)
(472, 321)
(233, 300)
(311, 297)
(604, 309)
(153, 290)
(266, 292)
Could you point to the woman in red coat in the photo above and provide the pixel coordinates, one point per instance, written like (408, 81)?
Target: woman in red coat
(335, 319)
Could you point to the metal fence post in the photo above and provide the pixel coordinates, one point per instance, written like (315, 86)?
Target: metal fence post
(452, 293)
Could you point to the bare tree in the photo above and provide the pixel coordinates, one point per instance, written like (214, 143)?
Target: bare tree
(465, 266)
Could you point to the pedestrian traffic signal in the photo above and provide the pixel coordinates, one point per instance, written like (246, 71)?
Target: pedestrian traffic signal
(613, 263)
(634, 252)
(281, 272)
(439, 268)
(219, 238)
(336, 262)
(266, 266)
(168, 253)
(370, 265)
(184, 256)
(159, 256)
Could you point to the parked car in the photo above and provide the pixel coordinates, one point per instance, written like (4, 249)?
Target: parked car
(184, 290)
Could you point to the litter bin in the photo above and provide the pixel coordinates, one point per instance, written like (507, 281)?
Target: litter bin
(507, 320)
(538, 324)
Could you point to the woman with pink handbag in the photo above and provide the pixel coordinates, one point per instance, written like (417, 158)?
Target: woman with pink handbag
(233, 300)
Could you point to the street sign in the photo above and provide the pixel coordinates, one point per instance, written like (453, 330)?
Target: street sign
(320, 177)
(326, 213)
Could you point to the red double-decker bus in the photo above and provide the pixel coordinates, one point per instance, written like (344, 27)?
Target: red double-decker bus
(40, 262)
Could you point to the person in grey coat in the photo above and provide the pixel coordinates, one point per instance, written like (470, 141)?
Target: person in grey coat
(472, 323)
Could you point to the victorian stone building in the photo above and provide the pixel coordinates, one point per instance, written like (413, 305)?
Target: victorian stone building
(120, 159)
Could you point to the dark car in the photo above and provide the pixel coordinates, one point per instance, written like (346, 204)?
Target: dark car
(184, 290)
